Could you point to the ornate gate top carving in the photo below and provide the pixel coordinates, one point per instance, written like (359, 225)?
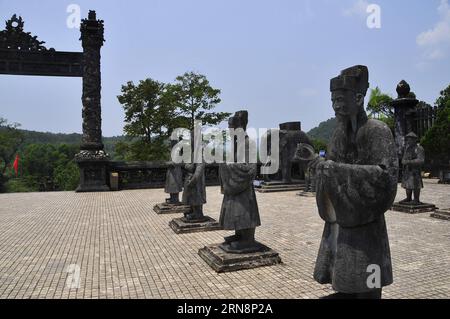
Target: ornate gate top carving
(14, 37)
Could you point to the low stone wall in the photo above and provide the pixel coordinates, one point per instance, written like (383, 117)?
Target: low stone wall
(145, 175)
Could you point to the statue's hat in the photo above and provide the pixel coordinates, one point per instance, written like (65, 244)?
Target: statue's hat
(239, 119)
(291, 126)
(355, 79)
(411, 135)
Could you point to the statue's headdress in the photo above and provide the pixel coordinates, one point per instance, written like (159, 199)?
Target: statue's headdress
(355, 79)
(239, 120)
(412, 135)
(291, 126)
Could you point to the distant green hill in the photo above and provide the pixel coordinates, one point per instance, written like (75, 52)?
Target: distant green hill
(33, 137)
(324, 131)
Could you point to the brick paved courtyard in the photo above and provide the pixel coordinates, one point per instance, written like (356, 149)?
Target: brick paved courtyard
(125, 250)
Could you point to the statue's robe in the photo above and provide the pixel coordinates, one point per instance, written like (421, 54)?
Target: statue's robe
(239, 206)
(352, 201)
(174, 179)
(412, 178)
(194, 194)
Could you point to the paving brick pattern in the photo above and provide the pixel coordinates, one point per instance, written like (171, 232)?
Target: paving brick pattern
(125, 250)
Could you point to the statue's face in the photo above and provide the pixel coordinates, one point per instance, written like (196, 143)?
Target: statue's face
(410, 142)
(345, 103)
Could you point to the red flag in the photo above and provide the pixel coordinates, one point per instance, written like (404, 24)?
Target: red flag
(16, 164)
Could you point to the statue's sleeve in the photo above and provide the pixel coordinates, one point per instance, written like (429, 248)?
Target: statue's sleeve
(199, 171)
(354, 195)
(420, 159)
(236, 178)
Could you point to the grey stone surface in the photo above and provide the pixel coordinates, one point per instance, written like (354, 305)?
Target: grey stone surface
(124, 251)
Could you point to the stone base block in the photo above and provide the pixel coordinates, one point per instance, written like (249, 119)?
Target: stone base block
(412, 208)
(307, 194)
(221, 261)
(181, 226)
(441, 214)
(165, 208)
(278, 186)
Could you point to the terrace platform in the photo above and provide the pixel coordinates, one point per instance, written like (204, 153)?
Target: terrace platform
(122, 249)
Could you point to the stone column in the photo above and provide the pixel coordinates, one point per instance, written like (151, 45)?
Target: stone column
(92, 159)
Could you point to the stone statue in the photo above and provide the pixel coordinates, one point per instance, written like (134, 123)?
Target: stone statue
(194, 193)
(239, 210)
(174, 181)
(413, 159)
(290, 135)
(356, 185)
(305, 153)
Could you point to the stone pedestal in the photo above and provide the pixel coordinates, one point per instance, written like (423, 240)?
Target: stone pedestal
(441, 214)
(93, 165)
(165, 208)
(279, 186)
(307, 194)
(221, 261)
(412, 208)
(182, 226)
(444, 176)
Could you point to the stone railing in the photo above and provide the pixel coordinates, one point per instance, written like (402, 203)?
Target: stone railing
(143, 175)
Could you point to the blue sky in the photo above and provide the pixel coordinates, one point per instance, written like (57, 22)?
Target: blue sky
(273, 58)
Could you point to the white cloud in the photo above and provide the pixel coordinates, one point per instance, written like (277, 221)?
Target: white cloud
(359, 8)
(436, 41)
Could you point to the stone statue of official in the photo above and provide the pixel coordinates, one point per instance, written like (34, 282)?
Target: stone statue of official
(413, 160)
(239, 211)
(174, 183)
(356, 185)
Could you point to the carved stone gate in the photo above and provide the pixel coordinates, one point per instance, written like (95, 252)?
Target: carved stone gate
(23, 54)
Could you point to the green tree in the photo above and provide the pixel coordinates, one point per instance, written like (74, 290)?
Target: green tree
(10, 141)
(194, 98)
(319, 145)
(379, 107)
(380, 104)
(149, 120)
(41, 162)
(324, 131)
(437, 140)
(67, 176)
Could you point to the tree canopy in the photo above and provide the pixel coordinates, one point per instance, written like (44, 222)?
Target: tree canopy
(154, 109)
(194, 98)
(437, 140)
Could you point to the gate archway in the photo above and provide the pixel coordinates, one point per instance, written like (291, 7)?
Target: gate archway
(23, 54)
